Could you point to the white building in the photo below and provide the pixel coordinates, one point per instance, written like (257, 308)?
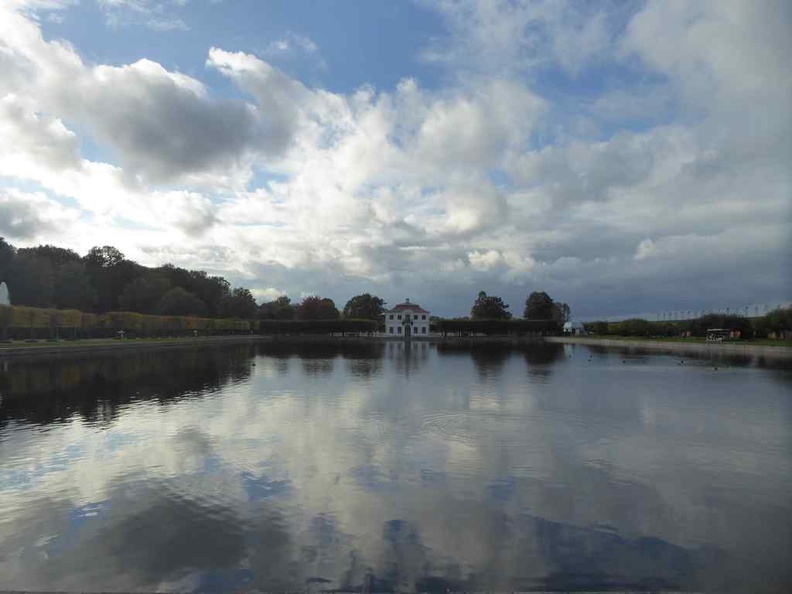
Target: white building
(407, 319)
(574, 328)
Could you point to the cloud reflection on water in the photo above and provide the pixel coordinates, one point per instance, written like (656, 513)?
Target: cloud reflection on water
(422, 468)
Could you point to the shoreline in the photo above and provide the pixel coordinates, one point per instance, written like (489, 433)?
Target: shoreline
(20, 350)
(712, 349)
(112, 344)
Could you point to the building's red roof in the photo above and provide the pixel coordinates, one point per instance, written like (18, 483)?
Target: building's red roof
(407, 306)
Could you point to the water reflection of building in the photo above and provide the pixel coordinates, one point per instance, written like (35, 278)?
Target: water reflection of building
(407, 355)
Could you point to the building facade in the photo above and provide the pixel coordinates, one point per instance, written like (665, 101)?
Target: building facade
(407, 320)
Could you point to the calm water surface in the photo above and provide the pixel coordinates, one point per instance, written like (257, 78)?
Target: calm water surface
(386, 467)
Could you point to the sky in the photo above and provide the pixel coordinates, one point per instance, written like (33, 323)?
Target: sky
(625, 157)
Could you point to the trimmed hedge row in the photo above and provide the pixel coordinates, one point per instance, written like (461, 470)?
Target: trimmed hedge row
(497, 327)
(33, 322)
(339, 326)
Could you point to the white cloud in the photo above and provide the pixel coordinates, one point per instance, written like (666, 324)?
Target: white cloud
(26, 216)
(480, 181)
(292, 42)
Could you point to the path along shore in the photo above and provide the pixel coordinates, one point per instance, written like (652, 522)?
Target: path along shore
(17, 349)
(704, 349)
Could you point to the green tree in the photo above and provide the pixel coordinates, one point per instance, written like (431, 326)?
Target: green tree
(31, 281)
(144, 293)
(178, 302)
(103, 257)
(240, 304)
(73, 288)
(279, 309)
(364, 307)
(57, 256)
(489, 307)
(213, 290)
(538, 306)
(110, 272)
(317, 308)
(7, 252)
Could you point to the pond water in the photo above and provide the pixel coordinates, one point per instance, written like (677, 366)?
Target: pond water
(393, 467)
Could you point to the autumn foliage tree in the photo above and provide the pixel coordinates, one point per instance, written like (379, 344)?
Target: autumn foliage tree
(317, 308)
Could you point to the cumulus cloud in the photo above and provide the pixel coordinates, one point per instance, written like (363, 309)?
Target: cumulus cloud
(27, 216)
(502, 179)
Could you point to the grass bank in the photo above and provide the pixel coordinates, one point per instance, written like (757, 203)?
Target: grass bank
(47, 347)
(769, 348)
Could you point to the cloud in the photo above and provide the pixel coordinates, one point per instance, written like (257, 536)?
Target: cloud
(156, 15)
(536, 162)
(292, 42)
(167, 25)
(514, 37)
(26, 216)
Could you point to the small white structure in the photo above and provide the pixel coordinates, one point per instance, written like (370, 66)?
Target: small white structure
(4, 295)
(574, 328)
(406, 320)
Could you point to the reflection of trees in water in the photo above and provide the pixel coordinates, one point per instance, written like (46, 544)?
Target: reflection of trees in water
(490, 357)
(709, 356)
(317, 366)
(364, 367)
(317, 357)
(320, 349)
(45, 390)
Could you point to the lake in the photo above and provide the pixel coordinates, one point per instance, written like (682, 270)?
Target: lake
(381, 467)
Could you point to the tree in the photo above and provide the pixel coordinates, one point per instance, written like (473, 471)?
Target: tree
(561, 312)
(280, 309)
(538, 306)
(240, 304)
(110, 272)
(178, 302)
(143, 293)
(317, 308)
(213, 290)
(57, 256)
(103, 257)
(73, 288)
(488, 307)
(365, 307)
(7, 252)
(31, 281)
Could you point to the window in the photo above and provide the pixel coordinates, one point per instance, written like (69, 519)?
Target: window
(423, 330)
(391, 316)
(399, 329)
(391, 329)
(400, 316)
(423, 317)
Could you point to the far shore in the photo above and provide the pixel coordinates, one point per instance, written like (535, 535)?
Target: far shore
(18, 349)
(699, 348)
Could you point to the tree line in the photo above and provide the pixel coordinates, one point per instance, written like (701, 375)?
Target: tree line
(105, 281)
(774, 324)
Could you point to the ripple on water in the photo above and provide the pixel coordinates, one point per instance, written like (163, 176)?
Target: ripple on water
(478, 428)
